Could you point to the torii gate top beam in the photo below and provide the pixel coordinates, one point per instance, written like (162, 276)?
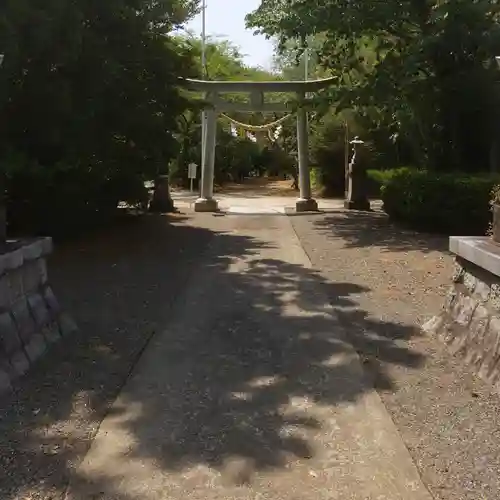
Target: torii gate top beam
(256, 90)
(299, 86)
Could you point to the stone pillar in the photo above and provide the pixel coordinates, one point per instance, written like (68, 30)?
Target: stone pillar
(206, 201)
(203, 136)
(3, 223)
(305, 203)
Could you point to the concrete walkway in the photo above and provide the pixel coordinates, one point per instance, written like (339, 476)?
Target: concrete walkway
(252, 391)
(232, 203)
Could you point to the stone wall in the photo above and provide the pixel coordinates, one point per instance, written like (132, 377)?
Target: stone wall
(31, 318)
(470, 320)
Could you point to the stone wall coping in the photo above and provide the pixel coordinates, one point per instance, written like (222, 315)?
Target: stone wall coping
(480, 250)
(28, 250)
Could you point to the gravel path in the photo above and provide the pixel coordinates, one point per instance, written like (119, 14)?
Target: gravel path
(447, 417)
(120, 287)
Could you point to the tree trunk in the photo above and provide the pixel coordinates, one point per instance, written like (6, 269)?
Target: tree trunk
(295, 183)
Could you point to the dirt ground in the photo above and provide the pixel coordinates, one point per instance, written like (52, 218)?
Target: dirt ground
(260, 186)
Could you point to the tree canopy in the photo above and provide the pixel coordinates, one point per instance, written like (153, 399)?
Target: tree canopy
(89, 98)
(422, 70)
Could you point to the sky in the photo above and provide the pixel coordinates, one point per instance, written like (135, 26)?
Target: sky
(226, 19)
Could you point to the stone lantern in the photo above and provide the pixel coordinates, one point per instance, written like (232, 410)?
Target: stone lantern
(356, 198)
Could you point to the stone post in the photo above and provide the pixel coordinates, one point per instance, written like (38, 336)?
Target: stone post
(357, 198)
(305, 203)
(3, 217)
(162, 200)
(206, 201)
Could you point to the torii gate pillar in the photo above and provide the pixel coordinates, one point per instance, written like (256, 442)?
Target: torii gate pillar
(305, 203)
(206, 202)
(256, 90)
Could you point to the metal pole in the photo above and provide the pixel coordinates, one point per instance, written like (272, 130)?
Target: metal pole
(203, 37)
(204, 75)
(306, 64)
(346, 158)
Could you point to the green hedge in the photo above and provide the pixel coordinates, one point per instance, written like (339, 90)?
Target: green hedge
(379, 178)
(63, 201)
(450, 204)
(330, 181)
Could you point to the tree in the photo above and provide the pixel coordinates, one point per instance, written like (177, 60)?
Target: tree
(89, 100)
(422, 71)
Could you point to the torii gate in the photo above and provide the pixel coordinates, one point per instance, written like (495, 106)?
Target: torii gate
(256, 91)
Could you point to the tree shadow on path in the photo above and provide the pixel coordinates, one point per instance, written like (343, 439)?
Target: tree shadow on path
(228, 376)
(247, 343)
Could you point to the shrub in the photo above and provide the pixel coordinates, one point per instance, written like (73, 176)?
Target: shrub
(379, 178)
(450, 204)
(62, 201)
(315, 180)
